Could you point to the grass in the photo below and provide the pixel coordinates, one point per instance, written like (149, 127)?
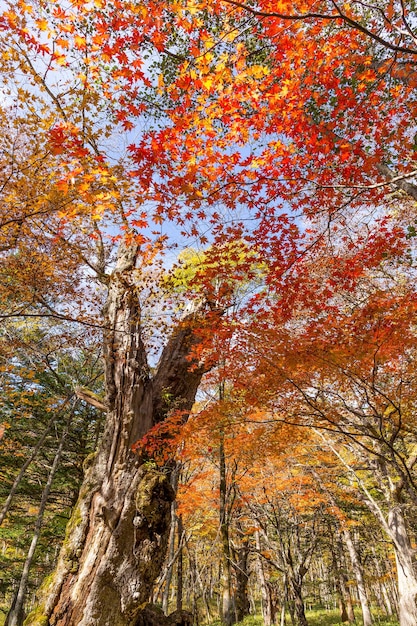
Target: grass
(321, 617)
(318, 617)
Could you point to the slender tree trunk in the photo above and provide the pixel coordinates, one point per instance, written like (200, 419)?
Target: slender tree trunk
(339, 591)
(180, 563)
(357, 571)
(297, 597)
(394, 525)
(294, 577)
(206, 593)
(117, 537)
(344, 599)
(164, 581)
(387, 601)
(348, 597)
(282, 617)
(28, 461)
(193, 596)
(227, 612)
(171, 559)
(16, 614)
(266, 600)
(379, 587)
(406, 574)
(241, 571)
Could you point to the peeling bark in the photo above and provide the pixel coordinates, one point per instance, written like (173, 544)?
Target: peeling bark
(117, 537)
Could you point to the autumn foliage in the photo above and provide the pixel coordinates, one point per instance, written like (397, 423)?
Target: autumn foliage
(240, 177)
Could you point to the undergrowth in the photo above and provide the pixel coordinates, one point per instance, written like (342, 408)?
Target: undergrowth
(318, 617)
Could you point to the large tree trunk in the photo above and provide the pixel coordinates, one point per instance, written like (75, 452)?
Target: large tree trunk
(117, 537)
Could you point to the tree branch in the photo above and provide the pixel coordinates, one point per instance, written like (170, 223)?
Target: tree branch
(91, 398)
(399, 181)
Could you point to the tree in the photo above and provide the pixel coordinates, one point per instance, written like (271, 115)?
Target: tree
(219, 447)
(122, 495)
(125, 500)
(47, 438)
(349, 372)
(180, 76)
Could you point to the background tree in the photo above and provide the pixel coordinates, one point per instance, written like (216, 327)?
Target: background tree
(49, 434)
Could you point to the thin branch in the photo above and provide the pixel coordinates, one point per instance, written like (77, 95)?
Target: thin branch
(325, 17)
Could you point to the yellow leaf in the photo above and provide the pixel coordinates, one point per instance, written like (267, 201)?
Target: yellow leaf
(42, 24)
(80, 42)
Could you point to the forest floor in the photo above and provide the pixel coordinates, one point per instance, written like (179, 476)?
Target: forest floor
(318, 618)
(314, 618)
(332, 618)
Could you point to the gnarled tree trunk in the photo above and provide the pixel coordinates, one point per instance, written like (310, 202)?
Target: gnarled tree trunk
(117, 536)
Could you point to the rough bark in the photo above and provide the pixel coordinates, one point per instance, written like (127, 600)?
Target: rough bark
(116, 539)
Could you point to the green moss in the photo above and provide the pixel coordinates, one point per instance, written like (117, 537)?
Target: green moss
(74, 521)
(88, 461)
(68, 550)
(37, 617)
(152, 491)
(47, 582)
